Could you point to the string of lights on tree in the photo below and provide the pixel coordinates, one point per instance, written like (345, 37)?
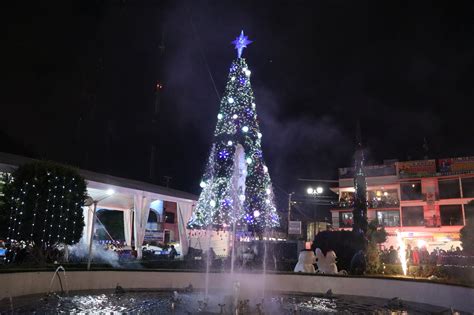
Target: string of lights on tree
(45, 204)
(237, 125)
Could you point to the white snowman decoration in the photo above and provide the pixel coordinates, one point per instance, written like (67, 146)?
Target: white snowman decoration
(327, 263)
(305, 263)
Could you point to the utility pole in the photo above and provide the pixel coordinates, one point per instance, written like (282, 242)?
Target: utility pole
(156, 109)
(109, 193)
(89, 258)
(289, 210)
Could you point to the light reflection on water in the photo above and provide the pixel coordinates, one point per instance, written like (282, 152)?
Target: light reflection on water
(92, 303)
(191, 303)
(316, 304)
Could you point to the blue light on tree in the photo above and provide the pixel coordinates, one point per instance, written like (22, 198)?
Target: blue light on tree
(227, 202)
(248, 218)
(224, 154)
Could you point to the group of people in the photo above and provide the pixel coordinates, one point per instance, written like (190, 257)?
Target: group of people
(121, 248)
(114, 245)
(167, 251)
(421, 255)
(19, 252)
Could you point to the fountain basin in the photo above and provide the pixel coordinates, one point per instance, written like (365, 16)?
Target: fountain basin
(17, 284)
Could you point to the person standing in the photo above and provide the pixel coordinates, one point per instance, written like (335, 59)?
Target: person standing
(416, 256)
(173, 253)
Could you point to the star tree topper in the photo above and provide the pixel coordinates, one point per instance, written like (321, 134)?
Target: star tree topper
(240, 43)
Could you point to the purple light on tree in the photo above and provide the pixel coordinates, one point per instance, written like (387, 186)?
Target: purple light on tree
(248, 218)
(224, 154)
(240, 43)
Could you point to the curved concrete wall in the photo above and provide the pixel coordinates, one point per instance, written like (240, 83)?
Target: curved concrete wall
(461, 298)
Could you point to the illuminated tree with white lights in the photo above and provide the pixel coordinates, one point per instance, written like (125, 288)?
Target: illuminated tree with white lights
(236, 185)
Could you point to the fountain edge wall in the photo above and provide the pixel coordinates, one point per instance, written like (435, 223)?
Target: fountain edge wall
(458, 297)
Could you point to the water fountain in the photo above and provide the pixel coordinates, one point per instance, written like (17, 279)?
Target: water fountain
(80, 250)
(56, 275)
(402, 252)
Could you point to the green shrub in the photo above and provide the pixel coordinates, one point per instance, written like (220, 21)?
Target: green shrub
(373, 258)
(42, 203)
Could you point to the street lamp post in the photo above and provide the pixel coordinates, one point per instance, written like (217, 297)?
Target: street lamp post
(315, 192)
(289, 207)
(89, 259)
(289, 210)
(109, 193)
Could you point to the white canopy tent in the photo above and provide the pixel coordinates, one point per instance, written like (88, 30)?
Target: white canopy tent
(134, 198)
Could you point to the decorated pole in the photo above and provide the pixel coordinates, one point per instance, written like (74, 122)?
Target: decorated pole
(360, 186)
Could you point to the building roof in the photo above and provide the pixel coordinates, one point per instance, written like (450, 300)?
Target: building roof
(9, 162)
(415, 169)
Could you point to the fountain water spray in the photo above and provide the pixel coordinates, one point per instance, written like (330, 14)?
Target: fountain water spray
(80, 250)
(266, 237)
(56, 274)
(237, 190)
(208, 263)
(402, 253)
(236, 293)
(11, 304)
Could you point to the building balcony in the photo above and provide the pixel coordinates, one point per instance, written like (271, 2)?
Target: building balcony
(430, 197)
(347, 205)
(383, 204)
(344, 205)
(432, 222)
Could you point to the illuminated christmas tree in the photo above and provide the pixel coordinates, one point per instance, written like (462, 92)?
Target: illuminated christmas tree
(236, 185)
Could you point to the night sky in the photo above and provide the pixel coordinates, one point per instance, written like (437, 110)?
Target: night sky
(79, 82)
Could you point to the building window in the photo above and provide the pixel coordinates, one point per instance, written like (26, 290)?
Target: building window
(154, 221)
(383, 199)
(388, 218)
(449, 188)
(346, 200)
(345, 219)
(412, 216)
(451, 214)
(468, 187)
(169, 217)
(411, 190)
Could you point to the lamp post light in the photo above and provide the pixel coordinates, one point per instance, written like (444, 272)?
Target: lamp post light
(90, 202)
(315, 191)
